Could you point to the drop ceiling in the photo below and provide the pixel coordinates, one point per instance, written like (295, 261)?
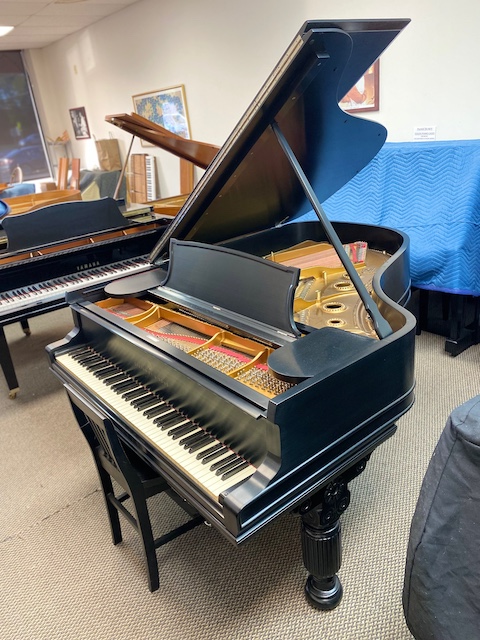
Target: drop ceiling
(39, 23)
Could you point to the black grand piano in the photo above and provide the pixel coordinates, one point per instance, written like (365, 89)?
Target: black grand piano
(63, 247)
(259, 361)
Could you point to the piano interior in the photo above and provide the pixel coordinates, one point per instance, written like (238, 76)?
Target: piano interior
(324, 296)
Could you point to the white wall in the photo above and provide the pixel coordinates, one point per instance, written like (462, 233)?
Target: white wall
(222, 51)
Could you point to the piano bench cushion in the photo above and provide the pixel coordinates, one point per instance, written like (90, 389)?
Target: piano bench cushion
(311, 355)
(442, 574)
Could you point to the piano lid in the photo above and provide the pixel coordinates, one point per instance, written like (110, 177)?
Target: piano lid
(250, 185)
(200, 153)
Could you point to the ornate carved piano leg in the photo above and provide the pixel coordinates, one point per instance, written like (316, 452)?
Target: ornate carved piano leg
(321, 539)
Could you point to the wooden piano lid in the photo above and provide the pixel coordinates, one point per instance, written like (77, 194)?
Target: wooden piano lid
(200, 153)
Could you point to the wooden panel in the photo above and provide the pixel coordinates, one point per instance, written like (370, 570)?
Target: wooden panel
(186, 176)
(23, 204)
(62, 173)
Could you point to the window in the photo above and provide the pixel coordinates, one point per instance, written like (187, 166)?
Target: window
(21, 141)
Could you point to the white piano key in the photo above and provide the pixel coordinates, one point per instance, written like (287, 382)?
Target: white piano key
(198, 471)
(56, 288)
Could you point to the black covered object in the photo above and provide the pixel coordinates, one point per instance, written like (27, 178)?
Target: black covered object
(441, 595)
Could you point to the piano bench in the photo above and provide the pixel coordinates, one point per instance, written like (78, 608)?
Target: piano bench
(135, 477)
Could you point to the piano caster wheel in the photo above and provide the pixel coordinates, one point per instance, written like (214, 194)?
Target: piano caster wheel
(12, 394)
(323, 594)
(27, 332)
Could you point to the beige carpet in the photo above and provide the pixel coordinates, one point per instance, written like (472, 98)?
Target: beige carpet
(61, 578)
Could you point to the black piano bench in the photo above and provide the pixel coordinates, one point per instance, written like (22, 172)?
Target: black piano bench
(137, 479)
(441, 591)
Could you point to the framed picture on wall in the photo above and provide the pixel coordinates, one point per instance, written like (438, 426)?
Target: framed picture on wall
(79, 123)
(165, 107)
(364, 95)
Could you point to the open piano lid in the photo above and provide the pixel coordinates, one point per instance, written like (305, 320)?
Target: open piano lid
(250, 185)
(293, 148)
(200, 153)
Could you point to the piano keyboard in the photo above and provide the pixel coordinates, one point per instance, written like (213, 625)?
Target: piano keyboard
(43, 292)
(151, 177)
(205, 460)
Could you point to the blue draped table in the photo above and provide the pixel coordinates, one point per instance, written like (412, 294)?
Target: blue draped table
(431, 191)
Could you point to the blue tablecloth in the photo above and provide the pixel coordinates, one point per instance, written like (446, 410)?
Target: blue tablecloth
(431, 191)
(22, 189)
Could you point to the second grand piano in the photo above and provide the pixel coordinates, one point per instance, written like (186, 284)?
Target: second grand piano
(257, 364)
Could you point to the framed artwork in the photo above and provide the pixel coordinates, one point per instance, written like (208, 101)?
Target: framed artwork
(166, 107)
(364, 95)
(79, 123)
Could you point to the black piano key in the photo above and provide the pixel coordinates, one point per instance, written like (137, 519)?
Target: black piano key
(168, 420)
(225, 465)
(189, 441)
(182, 430)
(205, 453)
(93, 363)
(234, 470)
(155, 411)
(85, 359)
(135, 393)
(215, 454)
(76, 353)
(144, 403)
(125, 385)
(105, 373)
(98, 366)
(199, 444)
(115, 378)
(145, 397)
(83, 351)
(219, 464)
